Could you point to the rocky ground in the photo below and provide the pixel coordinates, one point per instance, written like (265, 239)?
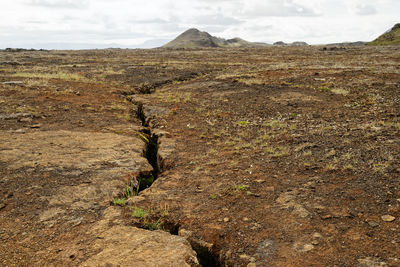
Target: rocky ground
(276, 156)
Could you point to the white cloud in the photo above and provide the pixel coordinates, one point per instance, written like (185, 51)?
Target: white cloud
(96, 23)
(272, 8)
(363, 9)
(59, 3)
(217, 19)
(360, 7)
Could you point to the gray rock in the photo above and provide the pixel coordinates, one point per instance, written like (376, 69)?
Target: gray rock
(265, 251)
(25, 119)
(373, 224)
(130, 246)
(14, 116)
(371, 262)
(13, 83)
(83, 153)
(12, 63)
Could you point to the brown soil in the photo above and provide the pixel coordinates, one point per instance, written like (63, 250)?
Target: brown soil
(273, 156)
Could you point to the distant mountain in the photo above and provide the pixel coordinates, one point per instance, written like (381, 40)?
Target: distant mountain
(193, 38)
(391, 37)
(358, 43)
(280, 43)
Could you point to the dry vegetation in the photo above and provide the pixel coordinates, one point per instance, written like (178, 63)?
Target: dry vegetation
(284, 156)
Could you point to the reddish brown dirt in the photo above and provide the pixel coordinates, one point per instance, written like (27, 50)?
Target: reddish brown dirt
(284, 156)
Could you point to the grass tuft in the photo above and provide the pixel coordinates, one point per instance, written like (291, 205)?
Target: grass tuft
(119, 201)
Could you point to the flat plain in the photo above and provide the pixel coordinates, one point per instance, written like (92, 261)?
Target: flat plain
(272, 156)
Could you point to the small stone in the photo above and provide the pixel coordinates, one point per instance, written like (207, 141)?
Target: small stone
(371, 262)
(244, 257)
(25, 119)
(307, 247)
(388, 218)
(315, 242)
(255, 226)
(326, 217)
(35, 126)
(303, 247)
(260, 181)
(228, 254)
(226, 219)
(246, 219)
(373, 224)
(317, 235)
(13, 82)
(20, 131)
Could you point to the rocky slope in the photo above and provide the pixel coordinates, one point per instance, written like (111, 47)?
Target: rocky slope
(391, 37)
(193, 38)
(298, 43)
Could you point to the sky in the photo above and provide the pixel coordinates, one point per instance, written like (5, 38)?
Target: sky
(83, 24)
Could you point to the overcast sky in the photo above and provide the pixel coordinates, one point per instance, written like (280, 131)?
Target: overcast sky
(74, 24)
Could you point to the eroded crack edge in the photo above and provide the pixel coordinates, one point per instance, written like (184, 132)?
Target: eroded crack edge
(206, 255)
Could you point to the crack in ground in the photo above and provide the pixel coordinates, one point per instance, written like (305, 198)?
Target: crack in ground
(149, 88)
(206, 257)
(151, 154)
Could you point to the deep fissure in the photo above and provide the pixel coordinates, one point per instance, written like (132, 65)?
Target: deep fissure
(149, 88)
(150, 153)
(140, 115)
(205, 257)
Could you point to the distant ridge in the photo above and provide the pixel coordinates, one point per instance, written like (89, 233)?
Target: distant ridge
(280, 43)
(193, 38)
(391, 37)
(358, 43)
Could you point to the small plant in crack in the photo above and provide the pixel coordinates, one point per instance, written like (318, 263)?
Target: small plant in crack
(152, 225)
(151, 219)
(129, 190)
(139, 213)
(144, 181)
(144, 137)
